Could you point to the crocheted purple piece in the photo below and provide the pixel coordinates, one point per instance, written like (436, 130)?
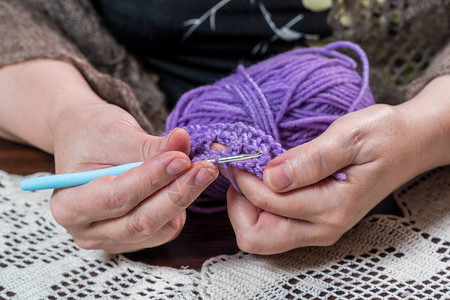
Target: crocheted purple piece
(272, 106)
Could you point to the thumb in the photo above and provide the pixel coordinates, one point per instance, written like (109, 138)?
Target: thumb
(308, 163)
(148, 145)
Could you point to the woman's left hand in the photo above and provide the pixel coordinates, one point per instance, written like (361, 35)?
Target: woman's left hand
(301, 204)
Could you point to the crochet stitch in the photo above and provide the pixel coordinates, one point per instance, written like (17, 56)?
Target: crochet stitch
(272, 106)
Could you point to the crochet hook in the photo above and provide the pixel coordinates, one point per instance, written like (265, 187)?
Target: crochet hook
(73, 179)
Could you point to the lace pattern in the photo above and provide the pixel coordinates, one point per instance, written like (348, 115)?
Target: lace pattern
(380, 258)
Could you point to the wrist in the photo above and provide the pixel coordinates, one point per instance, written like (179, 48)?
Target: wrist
(427, 116)
(34, 93)
(68, 96)
(72, 110)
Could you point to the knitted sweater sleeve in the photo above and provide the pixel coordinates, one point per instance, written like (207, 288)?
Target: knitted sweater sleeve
(440, 65)
(32, 29)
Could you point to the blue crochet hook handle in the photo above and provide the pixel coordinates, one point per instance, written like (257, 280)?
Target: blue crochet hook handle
(73, 179)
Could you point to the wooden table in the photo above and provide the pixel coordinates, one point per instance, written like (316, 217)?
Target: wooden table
(203, 236)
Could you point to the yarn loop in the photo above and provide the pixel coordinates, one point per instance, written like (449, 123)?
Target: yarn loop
(272, 106)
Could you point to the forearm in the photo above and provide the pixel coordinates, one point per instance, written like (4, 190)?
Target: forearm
(428, 116)
(34, 95)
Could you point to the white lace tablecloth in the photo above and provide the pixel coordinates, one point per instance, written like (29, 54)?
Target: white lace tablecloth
(382, 257)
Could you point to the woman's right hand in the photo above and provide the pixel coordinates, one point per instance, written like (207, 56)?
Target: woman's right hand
(48, 104)
(141, 208)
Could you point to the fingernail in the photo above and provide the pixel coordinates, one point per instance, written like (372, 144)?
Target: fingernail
(279, 177)
(177, 166)
(204, 177)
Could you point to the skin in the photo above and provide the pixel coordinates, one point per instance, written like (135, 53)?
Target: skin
(379, 148)
(49, 105)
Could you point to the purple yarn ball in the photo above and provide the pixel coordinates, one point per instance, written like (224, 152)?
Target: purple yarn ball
(272, 106)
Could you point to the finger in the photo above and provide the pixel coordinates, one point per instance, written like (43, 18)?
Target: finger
(136, 145)
(332, 203)
(309, 163)
(166, 234)
(113, 196)
(146, 146)
(178, 140)
(267, 233)
(154, 212)
(304, 203)
(218, 147)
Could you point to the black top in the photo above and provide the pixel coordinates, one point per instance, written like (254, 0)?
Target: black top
(195, 42)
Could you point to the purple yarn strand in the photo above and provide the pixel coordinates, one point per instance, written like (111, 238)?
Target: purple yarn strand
(272, 106)
(365, 68)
